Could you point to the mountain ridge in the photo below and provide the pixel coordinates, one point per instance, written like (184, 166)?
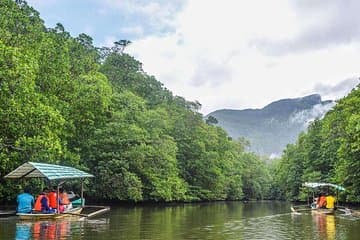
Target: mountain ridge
(271, 128)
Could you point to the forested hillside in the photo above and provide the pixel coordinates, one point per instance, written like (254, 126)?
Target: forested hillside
(271, 128)
(329, 151)
(65, 101)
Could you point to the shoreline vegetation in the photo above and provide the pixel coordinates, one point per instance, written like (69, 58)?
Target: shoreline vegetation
(65, 101)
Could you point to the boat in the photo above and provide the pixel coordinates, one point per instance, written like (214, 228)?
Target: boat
(59, 174)
(75, 212)
(312, 207)
(322, 211)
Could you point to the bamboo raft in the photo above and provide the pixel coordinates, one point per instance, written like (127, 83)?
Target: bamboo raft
(340, 209)
(75, 212)
(49, 216)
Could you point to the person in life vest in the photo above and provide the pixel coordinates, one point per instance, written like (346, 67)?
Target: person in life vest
(42, 203)
(25, 201)
(52, 195)
(330, 201)
(64, 199)
(322, 201)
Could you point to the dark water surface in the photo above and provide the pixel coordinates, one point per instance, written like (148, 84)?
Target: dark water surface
(220, 220)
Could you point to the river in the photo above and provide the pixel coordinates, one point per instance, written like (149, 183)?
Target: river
(217, 220)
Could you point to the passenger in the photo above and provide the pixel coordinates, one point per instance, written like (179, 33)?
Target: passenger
(52, 198)
(65, 202)
(45, 207)
(322, 201)
(330, 201)
(25, 201)
(37, 206)
(42, 202)
(315, 202)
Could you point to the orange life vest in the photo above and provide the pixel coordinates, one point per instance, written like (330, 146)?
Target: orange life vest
(37, 206)
(322, 201)
(52, 199)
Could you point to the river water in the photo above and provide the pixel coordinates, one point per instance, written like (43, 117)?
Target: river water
(219, 220)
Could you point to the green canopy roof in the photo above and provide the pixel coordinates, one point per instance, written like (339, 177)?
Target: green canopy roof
(49, 171)
(316, 185)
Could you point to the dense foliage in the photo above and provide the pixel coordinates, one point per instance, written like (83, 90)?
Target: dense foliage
(65, 101)
(329, 152)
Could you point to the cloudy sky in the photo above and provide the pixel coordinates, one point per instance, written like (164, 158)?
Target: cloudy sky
(227, 53)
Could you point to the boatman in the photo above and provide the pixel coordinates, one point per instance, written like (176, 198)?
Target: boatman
(25, 201)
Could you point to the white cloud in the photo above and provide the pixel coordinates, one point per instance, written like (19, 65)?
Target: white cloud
(338, 90)
(305, 117)
(321, 24)
(212, 58)
(231, 53)
(157, 15)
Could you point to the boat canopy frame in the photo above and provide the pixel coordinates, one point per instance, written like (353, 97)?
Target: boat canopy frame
(317, 185)
(48, 171)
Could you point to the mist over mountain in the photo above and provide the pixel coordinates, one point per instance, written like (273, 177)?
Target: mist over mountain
(271, 128)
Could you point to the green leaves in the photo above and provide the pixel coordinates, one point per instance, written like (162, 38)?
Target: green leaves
(328, 152)
(64, 101)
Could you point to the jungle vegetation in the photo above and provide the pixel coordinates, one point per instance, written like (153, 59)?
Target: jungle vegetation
(328, 152)
(65, 101)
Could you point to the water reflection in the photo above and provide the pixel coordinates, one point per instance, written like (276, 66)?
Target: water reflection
(23, 231)
(219, 220)
(325, 225)
(43, 230)
(61, 229)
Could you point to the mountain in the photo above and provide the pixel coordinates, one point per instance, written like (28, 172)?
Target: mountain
(271, 128)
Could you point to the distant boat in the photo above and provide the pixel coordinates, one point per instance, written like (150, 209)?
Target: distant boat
(53, 172)
(312, 207)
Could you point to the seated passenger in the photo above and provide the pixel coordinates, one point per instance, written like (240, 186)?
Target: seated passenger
(315, 202)
(52, 195)
(330, 201)
(42, 203)
(322, 201)
(65, 202)
(25, 201)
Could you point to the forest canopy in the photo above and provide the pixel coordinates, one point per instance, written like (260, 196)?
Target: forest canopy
(65, 101)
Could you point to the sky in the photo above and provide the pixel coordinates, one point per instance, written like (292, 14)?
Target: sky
(227, 54)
